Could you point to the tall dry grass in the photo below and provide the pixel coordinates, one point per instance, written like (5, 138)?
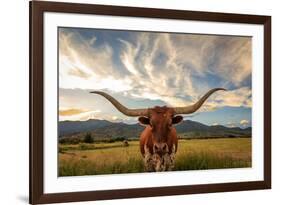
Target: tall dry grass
(113, 158)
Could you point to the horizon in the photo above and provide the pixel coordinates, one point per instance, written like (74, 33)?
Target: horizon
(147, 69)
(140, 124)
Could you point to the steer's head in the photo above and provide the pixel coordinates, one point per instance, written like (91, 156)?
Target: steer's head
(160, 119)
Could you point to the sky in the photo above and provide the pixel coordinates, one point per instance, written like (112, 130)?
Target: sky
(147, 69)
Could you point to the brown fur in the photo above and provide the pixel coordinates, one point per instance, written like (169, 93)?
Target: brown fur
(159, 129)
(146, 139)
(158, 141)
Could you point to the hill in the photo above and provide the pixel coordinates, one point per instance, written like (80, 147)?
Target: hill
(74, 127)
(102, 129)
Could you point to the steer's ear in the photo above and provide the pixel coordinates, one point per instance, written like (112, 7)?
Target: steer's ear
(144, 120)
(177, 119)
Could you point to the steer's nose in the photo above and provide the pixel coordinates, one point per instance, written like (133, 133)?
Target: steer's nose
(160, 148)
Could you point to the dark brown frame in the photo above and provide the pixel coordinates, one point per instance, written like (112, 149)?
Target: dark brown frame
(37, 8)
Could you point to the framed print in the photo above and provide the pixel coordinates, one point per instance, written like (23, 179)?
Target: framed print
(138, 102)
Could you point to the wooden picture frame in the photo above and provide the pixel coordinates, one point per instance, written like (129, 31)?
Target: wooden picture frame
(37, 10)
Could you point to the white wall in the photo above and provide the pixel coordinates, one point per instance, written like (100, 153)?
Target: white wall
(14, 101)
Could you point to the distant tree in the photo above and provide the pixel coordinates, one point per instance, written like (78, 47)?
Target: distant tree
(88, 138)
(111, 140)
(62, 141)
(120, 139)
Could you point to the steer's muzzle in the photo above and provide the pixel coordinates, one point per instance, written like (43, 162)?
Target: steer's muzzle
(160, 148)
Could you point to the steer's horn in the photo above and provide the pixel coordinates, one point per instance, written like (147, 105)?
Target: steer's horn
(122, 108)
(192, 108)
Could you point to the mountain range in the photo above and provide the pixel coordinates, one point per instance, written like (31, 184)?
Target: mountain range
(102, 129)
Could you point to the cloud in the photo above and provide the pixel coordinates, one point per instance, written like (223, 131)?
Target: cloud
(244, 123)
(240, 97)
(95, 106)
(79, 73)
(85, 65)
(162, 79)
(76, 114)
(224, 56)
(73, 111)
(76, 51)
(171, 69)
(236, 65)
(231, 124)
(185, 58)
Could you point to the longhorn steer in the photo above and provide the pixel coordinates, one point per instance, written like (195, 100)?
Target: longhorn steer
(158, 141)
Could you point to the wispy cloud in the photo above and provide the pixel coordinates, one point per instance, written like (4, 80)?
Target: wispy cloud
(85, 65)
(76, 114)
(72, 111)
(79, 73)
(172, 69)
(240, 97)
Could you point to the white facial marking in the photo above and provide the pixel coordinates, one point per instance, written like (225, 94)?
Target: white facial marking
(153, 162)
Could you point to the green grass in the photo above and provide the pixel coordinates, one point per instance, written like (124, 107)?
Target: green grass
(113, 158)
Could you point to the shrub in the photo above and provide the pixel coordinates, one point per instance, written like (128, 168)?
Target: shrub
(88, 138)
(70, 140)
(111, 140)
(120, 139)
(61, 150)
(62, 141)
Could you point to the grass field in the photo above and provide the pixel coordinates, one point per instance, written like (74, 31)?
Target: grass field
(113, 158)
